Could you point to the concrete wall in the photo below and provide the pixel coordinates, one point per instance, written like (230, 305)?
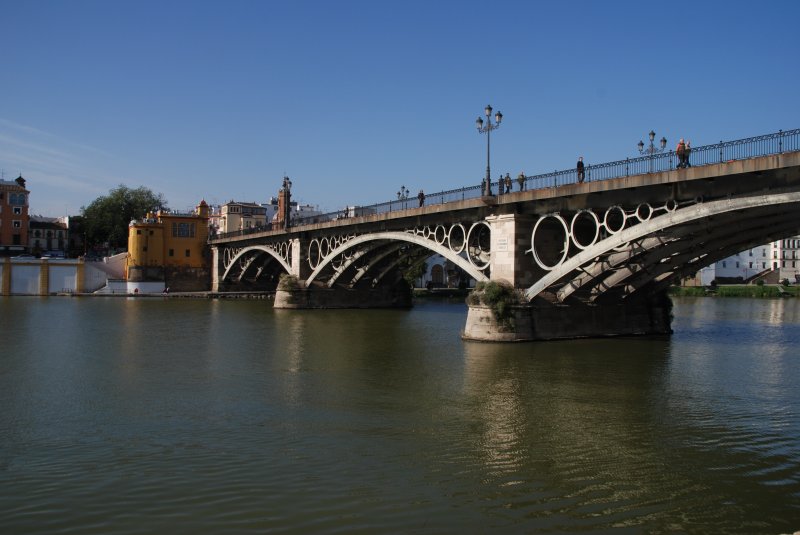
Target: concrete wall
(31, 276)
(24, 279)
(123, 287)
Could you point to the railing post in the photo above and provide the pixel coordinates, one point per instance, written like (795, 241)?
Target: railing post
(627, 167)
(720, 151)
(780, 141)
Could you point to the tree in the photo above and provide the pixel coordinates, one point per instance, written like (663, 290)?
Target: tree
(106, 219)
(413, 269)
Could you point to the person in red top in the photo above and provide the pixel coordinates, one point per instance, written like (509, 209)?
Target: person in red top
(680, 150)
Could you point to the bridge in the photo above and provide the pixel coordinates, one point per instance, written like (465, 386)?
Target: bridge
(591, 258)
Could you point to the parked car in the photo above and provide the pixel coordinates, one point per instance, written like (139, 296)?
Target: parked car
(53, 254)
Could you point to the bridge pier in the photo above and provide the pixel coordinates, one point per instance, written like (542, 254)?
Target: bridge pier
(510, 235)
(558, 322)
(398, 296)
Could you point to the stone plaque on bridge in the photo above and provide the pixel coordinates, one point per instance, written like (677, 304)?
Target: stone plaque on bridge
(502, 244)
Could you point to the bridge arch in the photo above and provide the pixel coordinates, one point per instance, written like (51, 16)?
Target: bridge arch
(258, 249)
(594, 264)
(359, 242)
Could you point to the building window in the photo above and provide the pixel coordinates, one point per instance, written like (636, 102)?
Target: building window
(172, 252)
(183, 230)
(17, 223)
(737, 264)
(751, 265)
(151, 232)
(763, 253)
(17, 210)
(751, 252)
(144, 249)
(188, 253)
(37, 233)
(723, 264)
(138, 232)
(763, 265)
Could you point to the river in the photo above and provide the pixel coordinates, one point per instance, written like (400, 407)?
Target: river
(142, 416)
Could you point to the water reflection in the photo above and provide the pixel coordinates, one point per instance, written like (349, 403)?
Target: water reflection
(246, 418)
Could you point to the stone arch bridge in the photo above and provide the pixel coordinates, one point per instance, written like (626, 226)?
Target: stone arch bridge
(589, 259)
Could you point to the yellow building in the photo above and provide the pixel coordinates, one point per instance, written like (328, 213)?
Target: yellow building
(170, 247)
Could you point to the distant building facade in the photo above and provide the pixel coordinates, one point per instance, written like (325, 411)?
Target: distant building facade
(442, 273)
(781, 257)
(47, 236)
(235, 215)
(14, 219)
(170, 247)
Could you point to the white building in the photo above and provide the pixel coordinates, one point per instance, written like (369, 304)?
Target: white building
(441, 273)
(235, 215)
(782, 256)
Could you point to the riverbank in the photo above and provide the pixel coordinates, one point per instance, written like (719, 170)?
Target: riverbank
(447, 294)
(768, 291)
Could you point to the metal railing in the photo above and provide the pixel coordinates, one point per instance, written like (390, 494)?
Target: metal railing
(724, 151)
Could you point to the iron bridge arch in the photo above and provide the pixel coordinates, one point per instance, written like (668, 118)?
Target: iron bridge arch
(373, 256)
(642, 253)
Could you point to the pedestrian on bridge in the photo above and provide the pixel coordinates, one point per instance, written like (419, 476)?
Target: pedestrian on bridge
(421, 197)
(581, 170)
(521, 181)
(508, 183)
(686, 154)
(680, 151)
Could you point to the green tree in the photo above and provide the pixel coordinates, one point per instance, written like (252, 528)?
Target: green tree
(106, 219)
(413, 270)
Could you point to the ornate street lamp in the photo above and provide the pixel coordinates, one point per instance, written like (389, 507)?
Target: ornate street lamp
(652, 150)
(286, 194)
(498, 117)
(402, 195)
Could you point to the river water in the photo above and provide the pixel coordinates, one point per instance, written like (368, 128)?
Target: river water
(123, 416)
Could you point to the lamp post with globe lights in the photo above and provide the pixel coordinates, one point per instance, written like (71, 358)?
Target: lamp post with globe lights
(498, 117)
(652, 150)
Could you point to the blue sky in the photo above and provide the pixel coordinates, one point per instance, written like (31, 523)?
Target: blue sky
(217, 100)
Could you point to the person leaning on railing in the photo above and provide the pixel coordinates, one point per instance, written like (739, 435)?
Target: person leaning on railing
(680, 151)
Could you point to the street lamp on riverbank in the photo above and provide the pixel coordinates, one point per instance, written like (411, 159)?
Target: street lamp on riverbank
(487, 182)
(652, 150)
